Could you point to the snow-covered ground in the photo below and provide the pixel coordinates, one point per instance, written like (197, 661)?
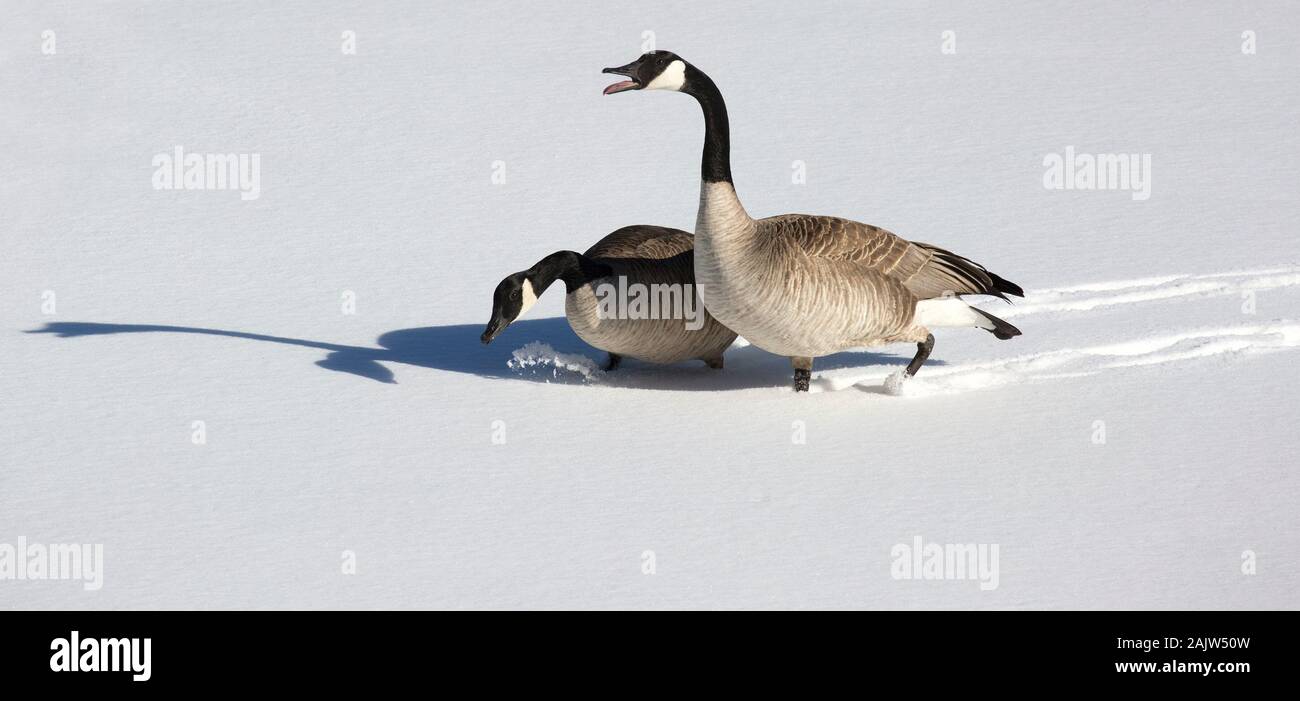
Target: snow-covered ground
(1135, 448)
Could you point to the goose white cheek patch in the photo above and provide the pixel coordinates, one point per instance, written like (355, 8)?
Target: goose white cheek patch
(672, 78)
(529, 297)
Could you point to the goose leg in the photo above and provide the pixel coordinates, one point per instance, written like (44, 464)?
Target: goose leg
(802, 373)
(715, 363)
(922, 352)
(612, 364)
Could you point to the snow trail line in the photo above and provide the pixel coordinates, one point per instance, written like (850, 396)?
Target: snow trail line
(1126, 292)
(1084, 361)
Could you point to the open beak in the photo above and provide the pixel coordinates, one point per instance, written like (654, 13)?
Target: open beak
(494, 329)
(630, 71)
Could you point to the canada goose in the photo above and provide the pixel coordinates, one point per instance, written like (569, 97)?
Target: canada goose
(805, 286)
(656, 264)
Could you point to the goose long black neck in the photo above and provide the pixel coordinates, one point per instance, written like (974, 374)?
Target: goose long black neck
(573, 268)
(715, 164)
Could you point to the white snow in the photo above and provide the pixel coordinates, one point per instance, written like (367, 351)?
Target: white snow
(1081, 297)
(537, 357)
(1133, 449)
(895, 383)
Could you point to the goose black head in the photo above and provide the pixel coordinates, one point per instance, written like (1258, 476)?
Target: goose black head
(657, 70)
(512, 298)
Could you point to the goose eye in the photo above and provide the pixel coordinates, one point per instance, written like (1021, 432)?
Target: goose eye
(514, 294)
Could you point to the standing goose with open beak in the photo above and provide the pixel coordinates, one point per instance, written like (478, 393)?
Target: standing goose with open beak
(806, 286)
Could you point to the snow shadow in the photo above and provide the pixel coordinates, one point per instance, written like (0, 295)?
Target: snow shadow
(456, 348)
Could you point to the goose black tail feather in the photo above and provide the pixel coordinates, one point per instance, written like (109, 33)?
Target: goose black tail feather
(1001, 329)
(978, 278)
(1006, 286)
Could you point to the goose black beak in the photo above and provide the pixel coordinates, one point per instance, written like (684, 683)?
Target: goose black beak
(630, 71)
(494, 329)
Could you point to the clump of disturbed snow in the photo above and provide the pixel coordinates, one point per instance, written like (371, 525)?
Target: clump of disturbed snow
(539, 358)
(895, 383)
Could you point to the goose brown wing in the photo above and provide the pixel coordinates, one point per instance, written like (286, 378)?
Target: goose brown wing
(926, 271)
(642, 241)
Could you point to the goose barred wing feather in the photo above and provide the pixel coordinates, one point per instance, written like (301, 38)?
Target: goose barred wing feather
(964, 269)
(642, 241)
(926, 271)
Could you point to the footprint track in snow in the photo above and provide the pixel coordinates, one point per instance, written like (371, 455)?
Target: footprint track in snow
(1101, 295)
(1084, 361)
(1159, 348)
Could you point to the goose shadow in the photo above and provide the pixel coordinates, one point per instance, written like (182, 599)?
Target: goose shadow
(456, 348)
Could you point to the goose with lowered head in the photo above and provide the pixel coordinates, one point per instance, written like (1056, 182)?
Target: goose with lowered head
(656, 263)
